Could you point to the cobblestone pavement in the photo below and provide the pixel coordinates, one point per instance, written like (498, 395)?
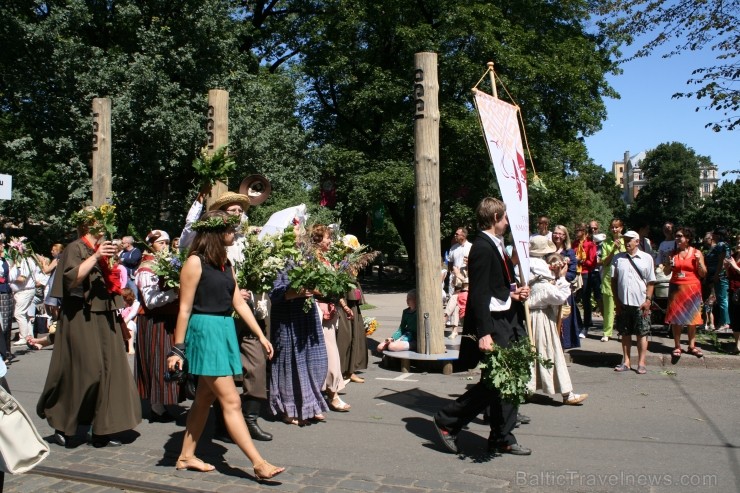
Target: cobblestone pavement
(678, 424)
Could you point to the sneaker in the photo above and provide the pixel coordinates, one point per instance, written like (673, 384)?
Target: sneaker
(574, 399)
(605, 339)
(20, 342)
(581, 335)
(449, 439)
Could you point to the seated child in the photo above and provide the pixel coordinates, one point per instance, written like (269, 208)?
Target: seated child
(403, 339)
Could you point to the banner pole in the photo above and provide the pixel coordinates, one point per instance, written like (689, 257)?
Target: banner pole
(492, 74)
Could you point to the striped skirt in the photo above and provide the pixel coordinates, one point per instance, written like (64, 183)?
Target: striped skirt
(684, 304)
(154, 339)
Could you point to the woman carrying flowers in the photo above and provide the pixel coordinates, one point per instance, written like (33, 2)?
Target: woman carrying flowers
(206, 336)
(351, 338)
(155, 328)
(89, 381)
(300, 366)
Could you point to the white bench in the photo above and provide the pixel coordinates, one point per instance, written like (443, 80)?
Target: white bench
(452, 353)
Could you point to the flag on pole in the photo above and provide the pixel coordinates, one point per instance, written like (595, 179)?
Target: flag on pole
(504, 143)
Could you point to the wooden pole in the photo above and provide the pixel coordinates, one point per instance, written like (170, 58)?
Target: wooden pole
(217, 133)
(492, 74)
(426, 161)
(101, 155)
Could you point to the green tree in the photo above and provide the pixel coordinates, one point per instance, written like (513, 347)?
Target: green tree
(719, 210)
(357, 55)
(672, 189)
(691, 25)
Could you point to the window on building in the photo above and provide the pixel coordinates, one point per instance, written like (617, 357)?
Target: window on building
(706, 188)
(621, 181)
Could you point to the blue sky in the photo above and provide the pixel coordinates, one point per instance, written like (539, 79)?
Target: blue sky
(646, 116)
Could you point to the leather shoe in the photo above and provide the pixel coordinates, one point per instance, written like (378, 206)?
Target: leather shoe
(449, 439)
(58, 438)
(515, 449)
(100, 441)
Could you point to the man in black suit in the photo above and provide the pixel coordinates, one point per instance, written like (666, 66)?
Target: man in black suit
(493, 316)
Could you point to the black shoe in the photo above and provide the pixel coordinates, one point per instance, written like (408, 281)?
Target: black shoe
(449, 439)
(515, 449)
(252, 409)
(100, 441)
(59, 438)
(522, 419)
(165, 417)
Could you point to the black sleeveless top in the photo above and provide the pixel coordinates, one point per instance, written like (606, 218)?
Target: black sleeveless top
(215, 291)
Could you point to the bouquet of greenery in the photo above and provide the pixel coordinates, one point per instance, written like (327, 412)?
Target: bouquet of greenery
(215, 167)
(167, 266)
(311, 273)
(101, 219)
(510, 369)
(264, 259)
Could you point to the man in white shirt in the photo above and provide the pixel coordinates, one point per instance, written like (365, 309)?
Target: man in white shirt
(633, 280)
(458, 252)
(543, 228)
(23, 278)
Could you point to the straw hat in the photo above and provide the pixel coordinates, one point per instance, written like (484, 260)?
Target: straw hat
(230, 198)
(351, 241)
(539, 246)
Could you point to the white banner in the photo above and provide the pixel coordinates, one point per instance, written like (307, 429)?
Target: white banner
(504, 142)
(6, 187)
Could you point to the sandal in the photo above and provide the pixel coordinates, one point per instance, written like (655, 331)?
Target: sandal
(265, 470)
(621, 367)
(354, 378)
(318, 418)
(695, 351)
(676, 352)
(340, 406)
(641, 370)
(193, 464)
(289, 420)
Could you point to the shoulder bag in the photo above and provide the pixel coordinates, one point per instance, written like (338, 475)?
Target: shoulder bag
(21, 446)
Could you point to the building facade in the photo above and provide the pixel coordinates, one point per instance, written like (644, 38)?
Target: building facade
(629, 177)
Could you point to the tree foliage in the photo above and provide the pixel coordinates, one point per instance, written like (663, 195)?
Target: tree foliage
(692, 26)
(672, 189)
(318, 89)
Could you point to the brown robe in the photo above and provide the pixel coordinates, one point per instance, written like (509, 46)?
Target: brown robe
(351, 338)
(89, 379)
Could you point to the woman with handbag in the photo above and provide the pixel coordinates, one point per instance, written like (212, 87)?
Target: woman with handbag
(205, 336)
(155, 328)
(687, 268)
(89, 380)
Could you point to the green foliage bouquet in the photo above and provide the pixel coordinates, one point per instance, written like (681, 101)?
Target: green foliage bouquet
(167, 266)
(100, 219)
(509, 369)
(215, 167)
(264, 259)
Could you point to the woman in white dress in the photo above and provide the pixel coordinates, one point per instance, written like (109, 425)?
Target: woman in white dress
(549, 291)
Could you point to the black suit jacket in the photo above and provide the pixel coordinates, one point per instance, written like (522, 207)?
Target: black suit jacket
(490, 275)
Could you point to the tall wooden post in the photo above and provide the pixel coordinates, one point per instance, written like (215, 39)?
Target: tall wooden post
(217, 133)
(101, 155)
(426, 164)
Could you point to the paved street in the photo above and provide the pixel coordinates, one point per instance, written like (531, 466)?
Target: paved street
(675, 429)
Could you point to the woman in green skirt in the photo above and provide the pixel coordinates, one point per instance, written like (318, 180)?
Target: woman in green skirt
(206, 336)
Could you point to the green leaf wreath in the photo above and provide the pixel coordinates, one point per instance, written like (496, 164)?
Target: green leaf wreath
(215, 167)
(509, 369)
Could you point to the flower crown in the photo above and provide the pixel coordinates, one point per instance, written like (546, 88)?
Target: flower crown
(104, 214)
(216, 223)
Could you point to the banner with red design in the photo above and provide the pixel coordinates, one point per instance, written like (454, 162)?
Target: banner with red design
(504, 142)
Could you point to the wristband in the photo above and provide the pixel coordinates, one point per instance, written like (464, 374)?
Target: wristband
(177, 351)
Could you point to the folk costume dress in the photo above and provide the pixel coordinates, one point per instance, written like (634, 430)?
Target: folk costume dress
(89, 379)
(608, 248)
(299, 365)
(211, 345)
(684, 291)
(545, 299)
(155, 334)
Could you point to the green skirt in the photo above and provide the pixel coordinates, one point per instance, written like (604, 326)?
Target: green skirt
(211, 346)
